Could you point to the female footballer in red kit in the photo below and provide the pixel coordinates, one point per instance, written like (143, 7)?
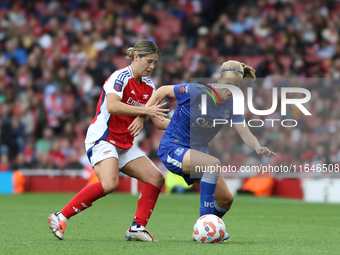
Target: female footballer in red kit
(109, 142)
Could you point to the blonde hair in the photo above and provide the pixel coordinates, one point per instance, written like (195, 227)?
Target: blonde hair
(142, 48)
(237, 68)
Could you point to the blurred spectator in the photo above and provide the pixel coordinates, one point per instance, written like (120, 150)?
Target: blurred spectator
(4, 163)
(191, 29)
(320, 156)
(88, 48)
(29, 153)
(330, 33)
(5, 136)
(249, 46)
(325, 50)
(73, 162)
(19, 162)
(17, 142)
(148, 15)
(56, 156)
(45, 143)
(223, 23)
(27, 119)
(106, 67)
(334, 152)
(83, 81)
(229, 47)
(240, 25)
(178, 12)
(14, 52)
(262, 29)
(309, 34)
(69, 132)
(53, 105)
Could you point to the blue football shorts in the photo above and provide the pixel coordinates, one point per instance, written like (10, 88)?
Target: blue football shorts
(171, 154)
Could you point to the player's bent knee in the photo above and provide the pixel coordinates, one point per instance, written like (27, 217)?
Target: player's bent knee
(110, 185)
(158, 180)
(215, 165)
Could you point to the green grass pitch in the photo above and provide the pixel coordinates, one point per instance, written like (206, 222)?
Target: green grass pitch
(256, 226)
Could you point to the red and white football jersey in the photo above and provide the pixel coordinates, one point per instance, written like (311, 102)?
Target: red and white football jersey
(113, 128)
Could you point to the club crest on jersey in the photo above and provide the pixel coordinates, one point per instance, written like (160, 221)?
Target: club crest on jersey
(179, 151)
(183, 89)
(118, 85)
(225, 114)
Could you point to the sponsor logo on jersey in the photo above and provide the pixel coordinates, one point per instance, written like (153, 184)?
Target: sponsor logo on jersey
(133, 92)
(225, 114)
(179, 151)
(183, 89)
(134, 102)
(203, 123)
(118, 85)
(145, 96)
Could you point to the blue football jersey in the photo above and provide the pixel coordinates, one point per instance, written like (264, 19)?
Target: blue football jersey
(188, 127)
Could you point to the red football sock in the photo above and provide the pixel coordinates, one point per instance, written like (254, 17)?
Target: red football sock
(83, 199)
(146, 203)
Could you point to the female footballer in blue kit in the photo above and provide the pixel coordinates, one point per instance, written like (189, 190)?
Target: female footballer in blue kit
(185, 142)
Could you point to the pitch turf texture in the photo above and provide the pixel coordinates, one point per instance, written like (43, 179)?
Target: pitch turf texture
(256, 226)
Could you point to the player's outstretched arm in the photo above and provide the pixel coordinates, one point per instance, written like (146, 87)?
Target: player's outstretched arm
(159, 95)
(115, 106)
(160, 123)
(250, 140)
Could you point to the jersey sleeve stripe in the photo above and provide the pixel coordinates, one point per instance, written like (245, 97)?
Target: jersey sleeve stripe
(130, 71)
(126, 75)
(119, 77)
(107, 131)
(99, 106)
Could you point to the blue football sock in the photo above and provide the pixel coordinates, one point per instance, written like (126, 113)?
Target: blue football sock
(208, 186)
(219, 211)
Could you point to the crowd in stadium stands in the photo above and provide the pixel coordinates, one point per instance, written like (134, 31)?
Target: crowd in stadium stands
(56, 55)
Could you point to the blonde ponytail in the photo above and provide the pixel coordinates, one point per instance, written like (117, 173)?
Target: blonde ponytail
(248, 72)
(238, 68)
(130, 53)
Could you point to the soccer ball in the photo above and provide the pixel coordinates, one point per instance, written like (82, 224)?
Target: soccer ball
(209, 229)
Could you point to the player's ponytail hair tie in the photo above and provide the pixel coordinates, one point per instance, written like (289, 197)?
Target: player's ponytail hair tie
(232, 70)
(130, 53)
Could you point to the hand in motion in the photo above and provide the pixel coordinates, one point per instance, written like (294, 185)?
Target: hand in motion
(136, 126)
(265, 152)
(157, 111)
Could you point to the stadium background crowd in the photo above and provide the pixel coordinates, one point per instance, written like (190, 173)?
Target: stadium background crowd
(55, 57)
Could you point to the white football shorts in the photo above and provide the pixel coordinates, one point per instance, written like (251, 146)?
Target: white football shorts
(100, 150)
